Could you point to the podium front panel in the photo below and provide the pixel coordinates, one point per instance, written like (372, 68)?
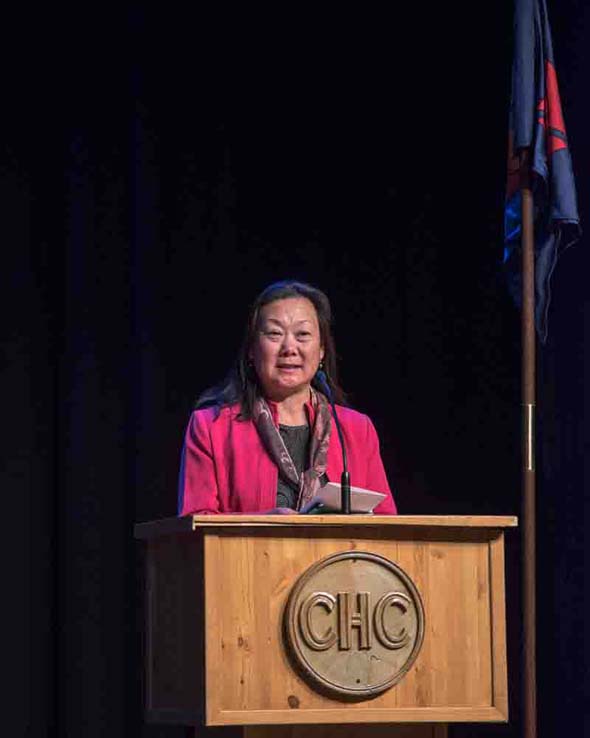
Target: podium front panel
(217, 597)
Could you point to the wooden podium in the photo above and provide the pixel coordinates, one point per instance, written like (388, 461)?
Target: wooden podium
(218, 588)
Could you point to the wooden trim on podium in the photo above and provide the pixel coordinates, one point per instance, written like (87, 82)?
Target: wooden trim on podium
(189, 523)
(367, 715)
(213, 641)
(498, 623)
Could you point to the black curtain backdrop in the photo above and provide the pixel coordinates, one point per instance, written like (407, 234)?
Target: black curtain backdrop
(159, 169)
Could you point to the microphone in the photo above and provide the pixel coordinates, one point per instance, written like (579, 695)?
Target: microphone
(322, 380)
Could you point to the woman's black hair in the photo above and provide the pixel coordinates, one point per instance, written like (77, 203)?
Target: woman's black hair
(241, 384)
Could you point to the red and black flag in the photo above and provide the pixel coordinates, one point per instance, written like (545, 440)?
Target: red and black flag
(536, 124)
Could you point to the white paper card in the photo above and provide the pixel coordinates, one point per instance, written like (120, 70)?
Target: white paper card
(361, 500)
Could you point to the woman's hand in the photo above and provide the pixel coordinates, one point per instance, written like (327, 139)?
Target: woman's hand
(281, 511)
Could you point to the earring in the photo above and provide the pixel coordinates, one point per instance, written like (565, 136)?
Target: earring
(321, 366)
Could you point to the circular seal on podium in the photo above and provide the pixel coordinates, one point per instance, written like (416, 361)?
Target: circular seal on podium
(354, 624)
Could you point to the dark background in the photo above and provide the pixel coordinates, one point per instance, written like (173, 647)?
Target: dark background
(158, 170)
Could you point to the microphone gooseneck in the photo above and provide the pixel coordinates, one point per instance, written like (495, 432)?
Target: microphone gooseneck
(345, 478)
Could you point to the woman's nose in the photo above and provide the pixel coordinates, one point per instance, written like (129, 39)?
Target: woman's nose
(288, 343)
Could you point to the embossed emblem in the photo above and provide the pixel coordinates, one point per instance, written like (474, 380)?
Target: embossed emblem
(354, 624)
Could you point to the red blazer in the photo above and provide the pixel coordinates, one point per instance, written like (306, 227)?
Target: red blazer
(226, 469)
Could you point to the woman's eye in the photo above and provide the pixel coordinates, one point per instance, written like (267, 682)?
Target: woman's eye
(303, 334)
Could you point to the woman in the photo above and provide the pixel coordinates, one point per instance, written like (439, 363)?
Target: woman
(264, 441)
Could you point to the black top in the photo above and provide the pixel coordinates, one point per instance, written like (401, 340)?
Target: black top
(296, 439)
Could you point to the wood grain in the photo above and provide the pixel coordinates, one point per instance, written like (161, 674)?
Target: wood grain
(498, 617)
(215, 601)
(246, 660)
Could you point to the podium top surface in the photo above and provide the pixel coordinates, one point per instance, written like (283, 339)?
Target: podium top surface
(190, 523)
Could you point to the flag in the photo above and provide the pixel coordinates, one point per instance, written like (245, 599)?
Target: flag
(536, 123)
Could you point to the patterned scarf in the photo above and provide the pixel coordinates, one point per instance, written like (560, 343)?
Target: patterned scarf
(308, 483)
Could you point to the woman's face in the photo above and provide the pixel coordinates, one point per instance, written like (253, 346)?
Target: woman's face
(287, 347)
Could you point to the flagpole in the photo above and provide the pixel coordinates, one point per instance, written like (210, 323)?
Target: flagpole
(529, 678)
